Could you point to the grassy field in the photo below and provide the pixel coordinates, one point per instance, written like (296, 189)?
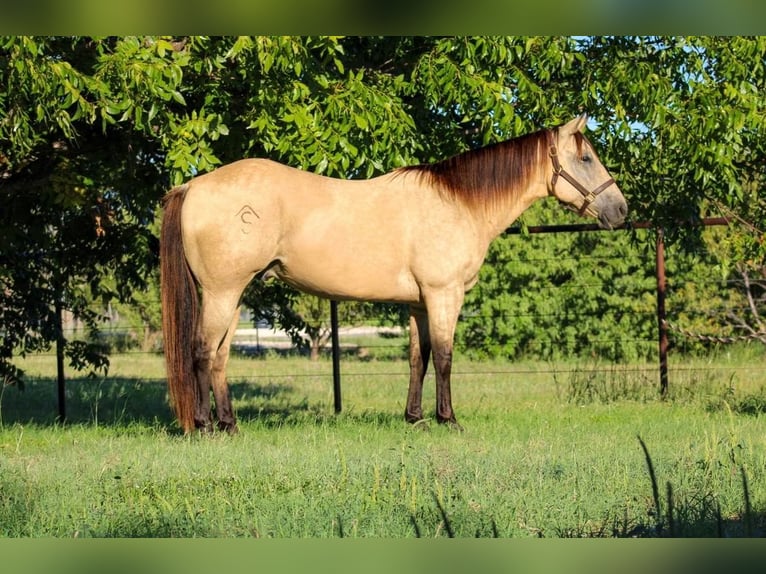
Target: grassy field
(548, 451)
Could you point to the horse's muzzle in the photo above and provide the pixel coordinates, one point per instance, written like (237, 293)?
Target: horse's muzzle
(612, 214)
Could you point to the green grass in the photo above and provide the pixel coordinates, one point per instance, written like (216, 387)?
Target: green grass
(549, 450)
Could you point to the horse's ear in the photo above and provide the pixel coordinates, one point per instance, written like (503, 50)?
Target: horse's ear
(582, 121)
(576, 125)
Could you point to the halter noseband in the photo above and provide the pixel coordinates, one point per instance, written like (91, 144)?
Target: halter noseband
(558, 170)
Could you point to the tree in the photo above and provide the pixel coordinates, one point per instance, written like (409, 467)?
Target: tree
(685, 120)
(736, 311)
(80, 176)
(93, 131)
(752, 318)
(682, 120)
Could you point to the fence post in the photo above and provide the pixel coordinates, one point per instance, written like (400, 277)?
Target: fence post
(60, 343)
(335, 355)
(662, 325)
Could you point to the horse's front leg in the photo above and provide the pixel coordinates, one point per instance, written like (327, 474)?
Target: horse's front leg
(443, 367)
(420, 353)
(443, 310)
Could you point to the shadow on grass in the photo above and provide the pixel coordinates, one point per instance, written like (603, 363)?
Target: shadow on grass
(116, 401)
(119, 402)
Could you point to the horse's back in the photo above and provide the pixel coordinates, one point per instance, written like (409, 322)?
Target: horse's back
(376, 239)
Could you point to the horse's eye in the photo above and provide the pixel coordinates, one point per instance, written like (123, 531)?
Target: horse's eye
(587, 158)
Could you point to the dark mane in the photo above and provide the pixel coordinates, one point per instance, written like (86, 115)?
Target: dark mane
(486, 176)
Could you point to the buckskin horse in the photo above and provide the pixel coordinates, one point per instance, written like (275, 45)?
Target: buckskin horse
(417, 235)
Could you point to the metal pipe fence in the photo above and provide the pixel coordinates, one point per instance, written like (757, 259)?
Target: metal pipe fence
(661, 293)
(661, 340)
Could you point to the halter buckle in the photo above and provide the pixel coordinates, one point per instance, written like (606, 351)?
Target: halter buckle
(557, 168)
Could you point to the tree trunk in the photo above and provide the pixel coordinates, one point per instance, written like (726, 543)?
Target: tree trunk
(315, 346)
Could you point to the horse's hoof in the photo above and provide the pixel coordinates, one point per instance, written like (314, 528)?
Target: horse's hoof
(229, 428)
(421, 424)
(451, 424)
(413, 419)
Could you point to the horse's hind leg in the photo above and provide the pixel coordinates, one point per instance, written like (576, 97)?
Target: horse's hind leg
(217, 321)
(223, 409)
(420, 352)
(202, 419)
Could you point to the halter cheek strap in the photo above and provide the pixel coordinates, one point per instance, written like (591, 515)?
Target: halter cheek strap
(588, 196)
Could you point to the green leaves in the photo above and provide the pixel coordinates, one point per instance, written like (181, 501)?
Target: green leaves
(684, 118)
(189, 144)
(680, 121)
(79, 182)
(140, 78)
(559, 296)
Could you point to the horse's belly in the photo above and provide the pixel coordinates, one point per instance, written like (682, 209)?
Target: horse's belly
(353, 280)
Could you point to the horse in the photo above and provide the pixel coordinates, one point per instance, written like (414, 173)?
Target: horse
(416, 235)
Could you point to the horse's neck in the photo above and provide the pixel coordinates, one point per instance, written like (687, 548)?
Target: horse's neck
(501, 218)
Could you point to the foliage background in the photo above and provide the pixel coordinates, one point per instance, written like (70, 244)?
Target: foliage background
(94, 130)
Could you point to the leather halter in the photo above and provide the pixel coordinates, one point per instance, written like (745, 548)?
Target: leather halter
(558, 170)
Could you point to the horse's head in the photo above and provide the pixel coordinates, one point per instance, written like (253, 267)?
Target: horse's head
(580, 180)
